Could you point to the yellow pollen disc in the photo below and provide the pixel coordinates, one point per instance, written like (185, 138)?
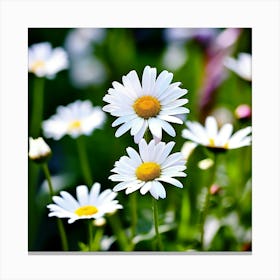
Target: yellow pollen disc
(148, 171)
(226, 145)
(86, 210)
(74, 125)
(146, 106)
(37, 65)
(211, 142)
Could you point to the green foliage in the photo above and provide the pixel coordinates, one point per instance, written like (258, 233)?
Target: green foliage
(121, 51)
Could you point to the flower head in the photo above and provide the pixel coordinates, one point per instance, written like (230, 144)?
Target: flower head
(89, 205)
(152, 104)
(39, 151)
(44, 61)
(148, 168)
(241, 66)
(210, 137)
(78, 118)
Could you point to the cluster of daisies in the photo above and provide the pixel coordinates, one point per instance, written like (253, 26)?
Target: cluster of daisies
(146, 109)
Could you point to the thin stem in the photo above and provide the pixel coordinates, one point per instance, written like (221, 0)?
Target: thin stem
(133, 208)
(90, 234)
(37, 106)
(207, 201)
(59, 222)
(95, 246)
(158, 239)
(119, 232)
(84, 161)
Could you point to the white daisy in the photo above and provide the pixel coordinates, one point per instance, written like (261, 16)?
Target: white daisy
(89, 205)
(44, 61)
(39, 150)
(75, 119)
(152, 104)
(242, 66)
(210, 137)
(146, 170)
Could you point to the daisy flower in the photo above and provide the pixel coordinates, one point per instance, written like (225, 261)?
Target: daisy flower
(75, 119)
(89, 205)
(151, 104)
(148, 168)
(242, 66)
(210, 137)
(43, 61)
(39, 150)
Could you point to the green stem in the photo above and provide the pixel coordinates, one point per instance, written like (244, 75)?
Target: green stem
(133, 208)
(207, 201)
(119, 232)
(84, 161)
(90, 234)
(37, 106)
(158, 239)
(59, 222)
(95, 246)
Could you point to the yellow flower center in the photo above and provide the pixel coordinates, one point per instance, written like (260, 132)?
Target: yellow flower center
(86, 210)
(211, 142)
(74, 125)
(37, 65)
(148, 171)
(146, 106)
(226, 146)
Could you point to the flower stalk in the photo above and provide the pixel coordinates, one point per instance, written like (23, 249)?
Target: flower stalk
(156, 223)
(59, 222)
(37, 108)
(206, 206)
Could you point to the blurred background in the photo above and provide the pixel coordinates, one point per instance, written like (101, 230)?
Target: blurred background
(199, 59)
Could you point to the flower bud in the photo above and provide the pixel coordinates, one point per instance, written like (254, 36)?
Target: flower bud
(214, 189)
(39, 151)
(243, 112)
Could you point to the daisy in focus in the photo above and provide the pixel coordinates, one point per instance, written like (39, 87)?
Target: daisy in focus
(44, 61)
(89, 205)
(221, 140)
(75, 119)
(152, 104)
(147, 169)
(39, 151)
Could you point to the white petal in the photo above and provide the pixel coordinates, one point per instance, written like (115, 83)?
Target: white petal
(134, 155)
(123, 129)
(137, 125)
(155, 127)
(211, 127)
(224, 134)
(138, 136)
(94, 192)
(167, 149)
(171, 181)
(170, 119)
(124, 119)
(146, 188)
(148, 80)
(82, 195)
(167, 127)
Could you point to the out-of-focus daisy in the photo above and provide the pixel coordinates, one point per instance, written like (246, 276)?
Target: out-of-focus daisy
(44, 61)
(210, 137)
(175, 56)
(89, 205)
(152, 104)
(39, 150)
(242, 66)
(75, 119)
(148, 168)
